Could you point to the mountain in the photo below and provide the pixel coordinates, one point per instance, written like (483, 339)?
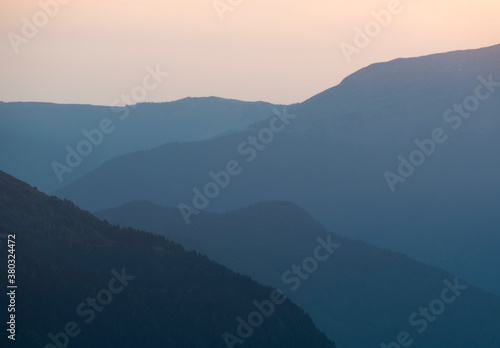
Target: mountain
(345, 157)
(359, 295)
(35, 135)
(82, 282)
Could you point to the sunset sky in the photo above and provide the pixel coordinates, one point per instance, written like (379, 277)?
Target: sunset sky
(280, 51)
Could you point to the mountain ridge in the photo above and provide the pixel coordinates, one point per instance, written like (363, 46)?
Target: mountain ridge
(181, 299)
(363, 281)
(35, 135)
(336, 151)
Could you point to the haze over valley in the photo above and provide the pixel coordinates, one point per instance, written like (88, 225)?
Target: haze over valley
(262, 174)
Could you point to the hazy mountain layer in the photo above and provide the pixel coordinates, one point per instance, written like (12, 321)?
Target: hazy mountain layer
(360, 295)
(401, 154)
(51, 145)
(84, 283)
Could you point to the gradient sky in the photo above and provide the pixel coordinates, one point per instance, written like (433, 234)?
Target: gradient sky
(281, 51)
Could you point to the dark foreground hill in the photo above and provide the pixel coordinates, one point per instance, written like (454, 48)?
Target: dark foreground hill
(84, 283)
(439, 112)
(359, 295)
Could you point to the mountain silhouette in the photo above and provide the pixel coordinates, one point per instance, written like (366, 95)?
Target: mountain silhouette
(360, 296)
(82, 282)
(345, 158)
(34, 136)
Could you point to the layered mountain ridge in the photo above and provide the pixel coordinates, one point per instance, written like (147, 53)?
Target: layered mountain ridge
(332, 159)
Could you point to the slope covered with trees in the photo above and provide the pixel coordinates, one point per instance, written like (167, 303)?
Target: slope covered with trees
(162, 296)
(359, 295)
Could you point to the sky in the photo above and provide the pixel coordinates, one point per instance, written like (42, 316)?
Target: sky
(279, 51)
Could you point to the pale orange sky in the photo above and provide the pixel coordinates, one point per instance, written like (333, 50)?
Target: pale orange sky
(281, 51)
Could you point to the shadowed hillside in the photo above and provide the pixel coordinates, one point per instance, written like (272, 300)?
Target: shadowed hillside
(360, 295)
(333, 156)
(162, 296)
